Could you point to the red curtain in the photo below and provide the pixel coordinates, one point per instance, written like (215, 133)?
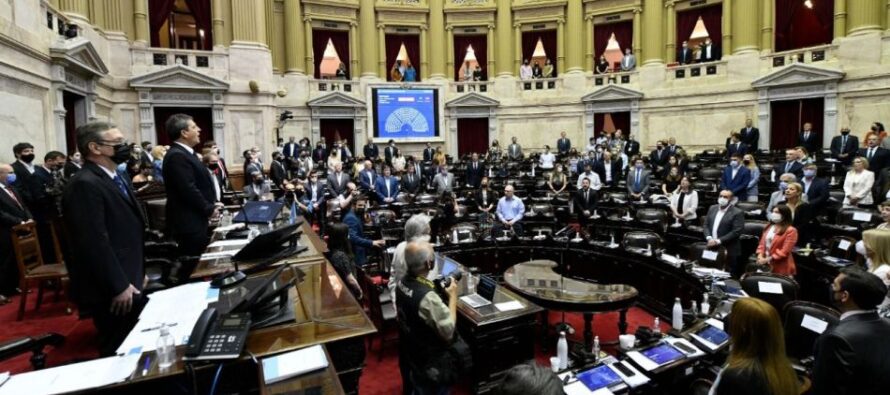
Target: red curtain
(624, 34)
(338, 128)
(158, 13)
(548, 40)
(480, 46)
(201, 11)
(340, 40)
(472, 135)
(412, 45)
(798, 26)
(787, 119)
(621, 120)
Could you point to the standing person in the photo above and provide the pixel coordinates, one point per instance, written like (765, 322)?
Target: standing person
(389, 152)
(751, 165)
(558, 180)
(563, 145)
(736, 178)
(684, 201)
(190, 197)
(815, 188)
(525, 71)
(352, 215)
(851, 358)
(777, 242)
(426, 324)
(514, 150)
(638, 181)
(443, 182)
(876, 243)
(474, 171)
(417, 229)
(291, 149)
(802, 213)
(338, 180)
(585, 202)
(757, 364)
(485, 200)
(844, 147)
(750, 135)
(105, 226)
(723, 226)
(75, 162)
(629, 61)
(878, 157)
(341, 258)
(858, 184)
(23, 165)
(808, 139)
(371, 151)
(684, 54)
(411, 181)
(510, 211)
(547, 158)
(13, 211)
(387, 187)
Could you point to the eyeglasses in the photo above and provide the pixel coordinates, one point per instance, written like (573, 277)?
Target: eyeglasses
(112, 143)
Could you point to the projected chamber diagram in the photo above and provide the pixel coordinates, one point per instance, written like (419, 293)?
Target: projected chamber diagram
(406, 119)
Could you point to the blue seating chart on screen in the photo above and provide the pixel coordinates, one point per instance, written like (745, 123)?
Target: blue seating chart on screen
(405, 113)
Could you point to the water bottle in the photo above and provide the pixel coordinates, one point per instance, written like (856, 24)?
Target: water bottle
(705, 306)
(226, 219)
(596, 349)
(694, 308)
(471, 284)
(562, 351)
(677, 316)
(656, 326)
(454, 236)
(253, 233)
(165, 348)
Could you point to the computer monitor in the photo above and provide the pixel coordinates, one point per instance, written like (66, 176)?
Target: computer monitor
(486, 287)
(259, 212)
(267, 244)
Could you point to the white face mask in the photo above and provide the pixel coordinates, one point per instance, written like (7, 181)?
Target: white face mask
(860, 248)
(775, 217)
(723, 202)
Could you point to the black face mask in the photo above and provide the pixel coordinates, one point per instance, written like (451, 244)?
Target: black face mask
(27, 158)
(213, 166)
(874, 128)
(121, 153)
(845, 132)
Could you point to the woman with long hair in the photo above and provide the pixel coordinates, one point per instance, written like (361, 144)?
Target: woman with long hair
(558, 180)
(802, 215)
(684, 201)
(777, 242)
(671, 180)
(876, 243)
(751, 164)
(341, 257)
(494, 152)
(757, 364)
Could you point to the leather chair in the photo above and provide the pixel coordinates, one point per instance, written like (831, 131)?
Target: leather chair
(836, 196)
(619, 197)
(848, 216)
(696, 253)
(425, 198)
(160, 263)
(540, 210)
(710, 174)
(799, 340)
(466, 232)
(704, 185)
(642, 240)
(34, 344)
(790, 288)
(32, 268)
(750, 237)
(842, 247)
(751, 209)
(382, 314)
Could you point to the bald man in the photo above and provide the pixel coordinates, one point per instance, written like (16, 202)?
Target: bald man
(509, 214)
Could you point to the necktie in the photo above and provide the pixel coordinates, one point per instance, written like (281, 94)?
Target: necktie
(121, 186)
(843, 143)
(12, 195)
(586, 196)
(871, 151)
(787, 167)
(637, 182)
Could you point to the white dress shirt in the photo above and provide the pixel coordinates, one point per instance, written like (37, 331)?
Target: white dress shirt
(717, 218)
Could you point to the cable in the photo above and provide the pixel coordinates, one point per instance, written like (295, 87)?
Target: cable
(216, 379)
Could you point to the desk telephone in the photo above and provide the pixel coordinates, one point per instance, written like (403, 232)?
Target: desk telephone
(218, 336)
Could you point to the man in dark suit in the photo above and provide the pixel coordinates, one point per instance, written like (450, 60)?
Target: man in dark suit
(852, 358)
(844, 147)
(736, 178)
(190, 196)
(319, 154)
(709, 52)
(389, 152)
(291, 149)
(585, 202)
(337, 180)
(637, 181)
(877, 156)
(13, 211)
(750, 135)
(278, 173)
(371, 151)
(315, 200)
(609, 170)
(735, 146)
(74, 163)
(44, 187)
(814, 187)
(563, 145)
(106, 226)
(387, 187)
(723, 226)
(809, 139)
(145, 156)
(632, 148)
(428, 153)
(684, 54)
(790, 165)
(474, 171)
(352, 218)
(23, 166)
(411, 181)
(659, 156)
(367, 178)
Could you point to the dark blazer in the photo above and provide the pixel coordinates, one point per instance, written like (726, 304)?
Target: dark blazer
(367, 179)
(412, 185)
(320, 191)
(428, 154)
(388, 153)
(600, 169)
(750, 138)
(21, 178)
(190, 195)
(739, 149)
(41, 204)
(657, 159)
(879, 160)
(105, 230)
(381, 188)
(715, 53)
(817, 195)
(882, 185)
(644, 181)
(371, 151)
(851, 358)
(71, 168)
(334, 185)
(11, 212)
(291, 150)
(796, 169)
(632, 148)
(319, 155)
(812, 144)
(804, 221)
(739, 184)
(360, 244)
(581, 204)
(685, 55)
(473, 174)
(850, 148)
(277, 173)
(563, 145)
(729, 230)
(490, 198)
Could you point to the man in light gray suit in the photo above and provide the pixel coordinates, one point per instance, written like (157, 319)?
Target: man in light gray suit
(723, 226)
(514, 151)
(637, 181)
(444, 181)
(629, 61)
(337, 179)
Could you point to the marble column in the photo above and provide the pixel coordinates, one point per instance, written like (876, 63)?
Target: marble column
(140, 20)
(437, 41)
(517, 47)
(638, 33)
(589, 56)
(381, 53)
(560, 47)
(653, 27)
(248, 22)
(98, 13)
(504, 36)
(216, 15)
(272, 38)
(354, 52)
(113, 17)
(840, 18)
(726, 40)
(449, 41)
(492, 63)
(864, 16)
(670, 32)
(744, 24)
(294, 48)
(575, 30)
(369, 40)
(309, 59)
(78, 10)
(766, 26)
(424, 53)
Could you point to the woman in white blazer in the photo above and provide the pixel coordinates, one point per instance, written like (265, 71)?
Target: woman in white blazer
(858, 183)
(684, 201)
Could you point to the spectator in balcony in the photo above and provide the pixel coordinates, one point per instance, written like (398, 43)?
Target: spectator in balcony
(395, 73)
(684, 55)
(342, 74)
(410, 74)
(629, 61)
(709, 52)
(548, 69)
(468, 72)
(525, 71)
(537, 72)
(602, 66)
(477, 73)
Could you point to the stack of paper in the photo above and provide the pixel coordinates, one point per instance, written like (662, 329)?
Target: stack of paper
(74, 377)
(292, 364)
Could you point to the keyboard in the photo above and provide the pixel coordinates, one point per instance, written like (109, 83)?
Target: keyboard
(475, 301)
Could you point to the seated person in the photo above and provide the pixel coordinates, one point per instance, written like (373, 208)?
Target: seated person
(485, 199)
(509, 214)
(258, 189)
(558, 180)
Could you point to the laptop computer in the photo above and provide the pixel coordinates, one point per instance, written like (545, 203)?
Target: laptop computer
(484, 293)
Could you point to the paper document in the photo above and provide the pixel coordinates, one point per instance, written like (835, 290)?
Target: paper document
(71, 378)
(220, 254)
(178, 308)
(292, 364)
(843, 244)
(814, 324)
(508, 306)
(227, 243)
(861, 216)
(769, 288)
(710, 255)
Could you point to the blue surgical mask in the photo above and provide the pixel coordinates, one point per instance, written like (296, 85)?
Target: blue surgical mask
(783, 185)
(809, 173)
(639, 166)
(10, 179)
(734, 163)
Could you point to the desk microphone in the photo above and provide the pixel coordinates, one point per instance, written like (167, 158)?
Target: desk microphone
(231, 278)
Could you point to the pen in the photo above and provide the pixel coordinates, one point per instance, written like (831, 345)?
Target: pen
(157, 327)
(146, 365)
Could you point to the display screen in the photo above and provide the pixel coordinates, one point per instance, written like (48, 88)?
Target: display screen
(448, 267)
(713, 335)
(230, 322)
(663, 354)
(405, 113)
(599, 377)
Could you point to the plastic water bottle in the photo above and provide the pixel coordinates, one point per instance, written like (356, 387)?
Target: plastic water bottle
(253, 233)
(562, 351)
(656, 326)
(471, 284)
(694, 307)
(677, 315)
(705, 306)
(596, 348)
(165, 348)
(454, 236)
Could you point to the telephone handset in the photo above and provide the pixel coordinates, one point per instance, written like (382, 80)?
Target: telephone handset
(218, 336)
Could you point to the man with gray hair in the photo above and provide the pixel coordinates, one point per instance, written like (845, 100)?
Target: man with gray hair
(426, 324)
(778, 197)
(417, 228)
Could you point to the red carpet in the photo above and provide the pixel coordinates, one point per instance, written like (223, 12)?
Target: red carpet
(379, 377)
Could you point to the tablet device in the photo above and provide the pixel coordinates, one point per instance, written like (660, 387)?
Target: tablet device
(448, 267)
(599, 377)
(663, 354)
(713, 334)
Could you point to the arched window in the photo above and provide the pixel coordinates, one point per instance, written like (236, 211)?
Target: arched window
(611, 39)
(803, 23)
(470, 60)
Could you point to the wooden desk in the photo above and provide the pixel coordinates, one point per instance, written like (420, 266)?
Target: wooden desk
(323, 382)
